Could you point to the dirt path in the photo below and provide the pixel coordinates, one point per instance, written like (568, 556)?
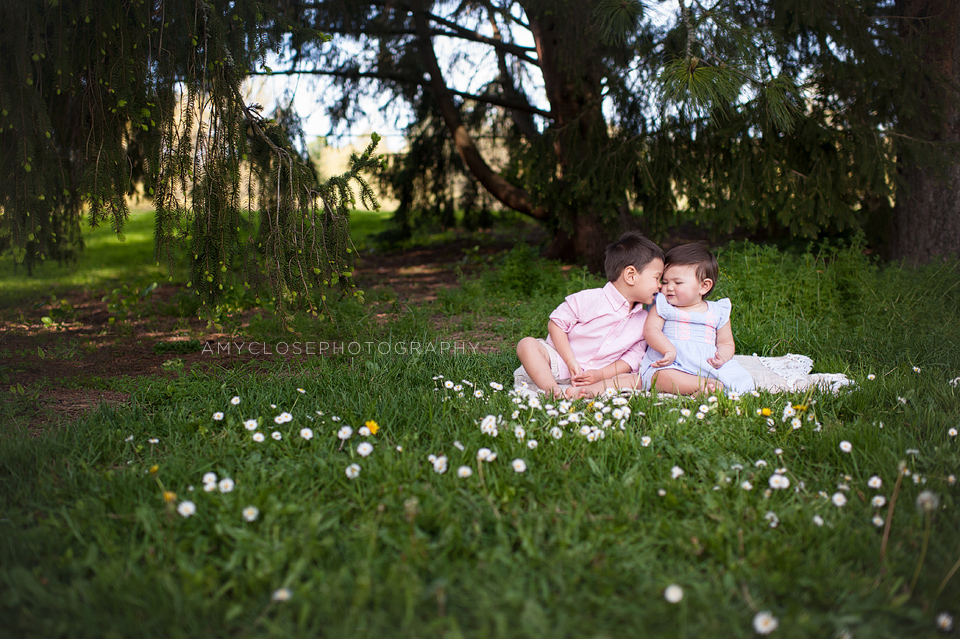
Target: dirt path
(59, 370)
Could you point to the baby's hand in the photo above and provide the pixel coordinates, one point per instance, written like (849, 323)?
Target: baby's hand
(666, 360)
(584, 378)
(717, 360)
(574, 369)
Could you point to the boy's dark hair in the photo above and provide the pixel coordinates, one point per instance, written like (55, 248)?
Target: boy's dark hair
(695, 255)
(632, 249)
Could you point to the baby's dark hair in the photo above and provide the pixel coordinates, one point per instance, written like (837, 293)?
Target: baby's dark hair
(632, 249)
(695, 255)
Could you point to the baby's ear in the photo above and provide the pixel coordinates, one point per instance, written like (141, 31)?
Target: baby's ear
(706, 286)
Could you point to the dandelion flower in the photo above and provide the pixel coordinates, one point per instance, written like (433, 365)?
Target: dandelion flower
(344, 433)
(251, 424)
(676, 472)
(927, 501)
(187, 508)
(364, 449)
(879, 501)
(372, 426)
(169, 495)
(519, 465)
(673, 593)
(258, 437)
(532, 444)
(846, 446)
(276, 435)
(306, 433)
(235, 400)
(464, 471)
(282, 594)
(818, 520)
(945, 621)
(154, 469)
(353, 471)
(877, 521)
(217, 416)
(839, 500)
(646, 440)
(250, 513)
(764, 622)
(779, 482)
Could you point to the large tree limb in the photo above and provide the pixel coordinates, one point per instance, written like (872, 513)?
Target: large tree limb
(512, 196)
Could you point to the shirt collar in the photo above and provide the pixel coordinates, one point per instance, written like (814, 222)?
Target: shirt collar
(618, 301)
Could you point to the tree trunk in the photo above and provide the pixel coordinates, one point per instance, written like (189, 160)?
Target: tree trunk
(927, 214)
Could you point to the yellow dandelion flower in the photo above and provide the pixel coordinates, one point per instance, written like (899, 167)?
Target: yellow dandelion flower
(766, 412)
(169, 495)
(154, 469)
(373, 426)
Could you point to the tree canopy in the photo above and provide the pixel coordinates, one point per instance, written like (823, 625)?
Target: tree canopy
(97, 99)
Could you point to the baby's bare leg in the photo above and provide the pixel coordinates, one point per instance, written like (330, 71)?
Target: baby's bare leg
(680, 383)
(536, 361)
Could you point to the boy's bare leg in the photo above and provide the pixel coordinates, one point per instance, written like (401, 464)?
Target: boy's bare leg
(536, 361)
(680, 383)
(620, 382)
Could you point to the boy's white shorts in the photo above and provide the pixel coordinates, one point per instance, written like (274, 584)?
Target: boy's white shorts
(520, 376)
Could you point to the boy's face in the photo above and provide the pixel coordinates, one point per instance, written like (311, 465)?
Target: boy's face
(647, 282)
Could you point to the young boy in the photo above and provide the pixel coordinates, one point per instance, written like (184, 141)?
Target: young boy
(597, 333)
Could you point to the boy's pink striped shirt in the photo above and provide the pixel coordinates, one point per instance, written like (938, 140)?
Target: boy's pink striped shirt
(602, 328)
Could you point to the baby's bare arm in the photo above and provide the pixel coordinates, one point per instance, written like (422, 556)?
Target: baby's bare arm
(654, 336)
(725, 346)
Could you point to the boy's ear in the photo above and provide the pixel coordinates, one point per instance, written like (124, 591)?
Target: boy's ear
(706, 286)
(629, 273)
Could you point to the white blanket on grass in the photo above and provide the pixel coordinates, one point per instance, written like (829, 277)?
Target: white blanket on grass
(788, 373)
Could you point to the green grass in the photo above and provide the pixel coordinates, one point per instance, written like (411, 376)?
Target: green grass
(583, 543)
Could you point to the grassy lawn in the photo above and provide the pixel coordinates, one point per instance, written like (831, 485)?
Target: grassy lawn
(576, 528)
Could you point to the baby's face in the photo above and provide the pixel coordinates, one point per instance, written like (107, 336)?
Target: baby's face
(681, 286)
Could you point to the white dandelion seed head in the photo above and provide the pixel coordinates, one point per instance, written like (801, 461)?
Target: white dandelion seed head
(764, 622)
(250, 513)
(927, 501)
(353, 471)
(673, 593)
(186, 508)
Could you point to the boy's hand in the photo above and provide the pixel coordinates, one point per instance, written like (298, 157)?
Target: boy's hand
(666, 360)
(583, 378)
(574, 369)
(717, 360)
